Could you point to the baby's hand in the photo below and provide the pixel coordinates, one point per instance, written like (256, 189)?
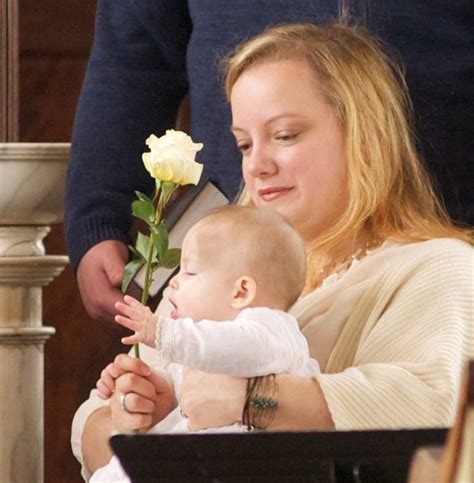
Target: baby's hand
(139, 318)
(106, 384)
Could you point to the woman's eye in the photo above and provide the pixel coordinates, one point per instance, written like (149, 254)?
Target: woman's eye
(190, 273)
(243, 147)
(285, 137)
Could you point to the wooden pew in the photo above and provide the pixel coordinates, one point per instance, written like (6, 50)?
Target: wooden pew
(329, 457)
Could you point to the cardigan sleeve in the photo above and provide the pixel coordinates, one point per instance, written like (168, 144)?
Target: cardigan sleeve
(135, 81)
(407, 365)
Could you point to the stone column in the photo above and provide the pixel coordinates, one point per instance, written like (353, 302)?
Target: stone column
(33, 185)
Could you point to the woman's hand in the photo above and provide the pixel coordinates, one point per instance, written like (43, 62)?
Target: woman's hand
(148, 397)
(211, 400)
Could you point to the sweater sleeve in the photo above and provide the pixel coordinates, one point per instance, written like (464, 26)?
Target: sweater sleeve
(407, 366)
(135, 81)
(243, 347)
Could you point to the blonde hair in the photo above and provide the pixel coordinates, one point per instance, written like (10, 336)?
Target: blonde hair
(260, 242)
(390, 192)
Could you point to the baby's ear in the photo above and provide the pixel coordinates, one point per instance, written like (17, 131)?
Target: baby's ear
(244, 292)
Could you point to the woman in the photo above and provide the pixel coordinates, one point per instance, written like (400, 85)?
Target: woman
(320, 116)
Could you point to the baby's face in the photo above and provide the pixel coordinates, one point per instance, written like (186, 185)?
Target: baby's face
(203, 287)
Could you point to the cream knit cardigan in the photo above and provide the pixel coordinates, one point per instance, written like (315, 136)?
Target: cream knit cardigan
(392, 333)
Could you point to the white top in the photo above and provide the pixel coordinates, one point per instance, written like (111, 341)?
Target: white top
(259, 341)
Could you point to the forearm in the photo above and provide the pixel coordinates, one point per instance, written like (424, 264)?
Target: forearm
(301, 405)
(96, 451)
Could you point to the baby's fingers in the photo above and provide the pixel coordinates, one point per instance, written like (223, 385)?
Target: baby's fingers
(132, 302)
(129, 323)
(106, 383)
(127, 310)
(102, 390)
(130, 340)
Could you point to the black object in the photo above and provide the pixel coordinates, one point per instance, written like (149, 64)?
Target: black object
(192, 204)
(329, 457)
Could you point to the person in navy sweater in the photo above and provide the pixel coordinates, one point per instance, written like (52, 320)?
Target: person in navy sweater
(148, 54)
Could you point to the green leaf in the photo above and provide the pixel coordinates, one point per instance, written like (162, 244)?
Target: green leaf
(143, 197)
(142, 245)
(161, 239)
(144, 210)
(135, 251)
(129, 272)
(171, 258)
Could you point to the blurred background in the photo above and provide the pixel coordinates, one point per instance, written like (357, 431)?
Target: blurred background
(54, 40)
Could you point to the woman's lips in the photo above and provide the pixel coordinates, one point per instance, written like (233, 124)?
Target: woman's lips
(270, 194)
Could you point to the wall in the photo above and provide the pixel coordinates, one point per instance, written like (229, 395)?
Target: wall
(55, 38)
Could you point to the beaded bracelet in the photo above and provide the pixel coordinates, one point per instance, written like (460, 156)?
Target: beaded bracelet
(261, 402)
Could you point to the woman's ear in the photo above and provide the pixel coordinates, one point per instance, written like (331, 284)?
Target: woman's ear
(244, 292)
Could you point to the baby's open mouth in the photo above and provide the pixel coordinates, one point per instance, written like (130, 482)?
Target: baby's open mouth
(174, 312)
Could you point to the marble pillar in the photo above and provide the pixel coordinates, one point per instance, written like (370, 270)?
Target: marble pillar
(31, 198)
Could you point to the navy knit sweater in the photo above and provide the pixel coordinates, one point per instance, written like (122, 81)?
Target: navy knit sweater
(148, 53)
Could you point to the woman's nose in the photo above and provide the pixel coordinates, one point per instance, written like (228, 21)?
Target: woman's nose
(260, 162)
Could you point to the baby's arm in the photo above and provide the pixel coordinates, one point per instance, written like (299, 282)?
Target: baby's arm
(244, 348)
(139, 318)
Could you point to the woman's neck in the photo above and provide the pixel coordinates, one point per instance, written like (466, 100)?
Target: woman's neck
(363, 240)
(339, 259)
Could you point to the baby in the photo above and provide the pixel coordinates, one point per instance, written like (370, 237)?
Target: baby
(241, 269)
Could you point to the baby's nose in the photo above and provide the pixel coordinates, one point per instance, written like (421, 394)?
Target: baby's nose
(174, 282)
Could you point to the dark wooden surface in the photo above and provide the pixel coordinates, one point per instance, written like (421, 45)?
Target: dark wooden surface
(55, 38)
(329, 457)
(9, 51)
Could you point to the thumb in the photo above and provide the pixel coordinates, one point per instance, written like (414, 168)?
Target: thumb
(160, 384)
(114, 265)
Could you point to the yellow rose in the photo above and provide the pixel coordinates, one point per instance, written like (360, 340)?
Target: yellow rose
(171, 158)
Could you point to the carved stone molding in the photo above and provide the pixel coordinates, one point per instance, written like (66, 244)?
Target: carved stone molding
(31, 198)
(31, 271)
(36, 173)
(44, 152)
(25, 335)
(16, 241)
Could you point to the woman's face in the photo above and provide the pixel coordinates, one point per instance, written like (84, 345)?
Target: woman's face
(292, 145)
